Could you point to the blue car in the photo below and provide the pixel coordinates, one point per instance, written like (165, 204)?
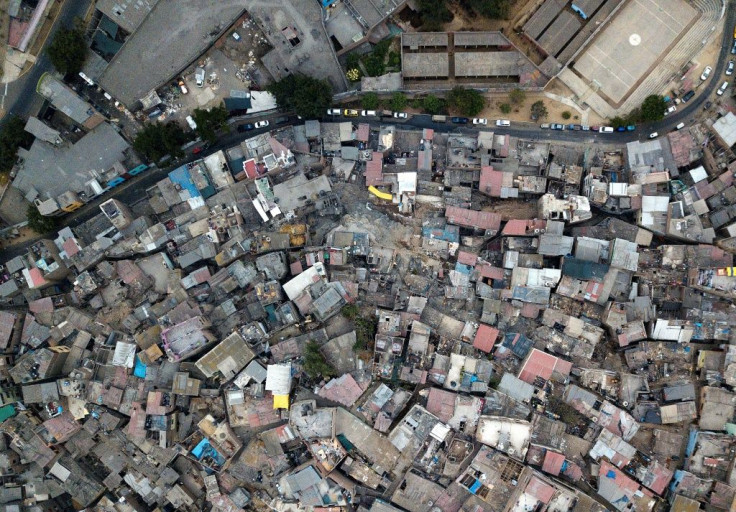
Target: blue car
(630, 128)
(460, 120)
(621, 129)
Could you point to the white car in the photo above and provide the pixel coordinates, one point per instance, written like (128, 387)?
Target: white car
(334, 112)
(262, 124)
(401, 115)
(503, 122)
(480, 120)
(671, 109)
(722, 89)
(366, 113)
(729, 68)
(706, 73)
(605, 129)
(191, 122)
(653, 135)
(680, 126)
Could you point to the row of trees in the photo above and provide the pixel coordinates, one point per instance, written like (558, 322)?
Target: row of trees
(652, 109)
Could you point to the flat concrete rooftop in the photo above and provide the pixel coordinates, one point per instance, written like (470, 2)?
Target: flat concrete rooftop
(171, 37)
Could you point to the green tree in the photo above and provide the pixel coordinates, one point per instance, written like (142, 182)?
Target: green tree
(157, 140)
(365, 332)
(39, 223)
(652, 109)
(431, 104)
(539, 110)
(468, 102)
(350, 311)
(209, 122)
(398, 101)
(618, 121)
(434, 13)
(370, 101)
(315, 363)
(505, 108)
(12, 136)
(517, 96)
(498, 9)
(308, 97)
(566, 115)
(68, 51)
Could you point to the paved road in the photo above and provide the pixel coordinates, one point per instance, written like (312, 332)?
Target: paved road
(21, 98)
(133, 190)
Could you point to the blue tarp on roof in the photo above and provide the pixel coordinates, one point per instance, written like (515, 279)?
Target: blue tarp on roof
(140, 368)
(182, 178)
(474, 488)
(463, 269)
(584, 270)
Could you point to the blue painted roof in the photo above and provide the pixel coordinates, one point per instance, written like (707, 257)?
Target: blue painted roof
(181, 177)
(448, 233)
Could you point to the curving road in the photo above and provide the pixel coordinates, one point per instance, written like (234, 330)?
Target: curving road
(21, 98)
(130, 192)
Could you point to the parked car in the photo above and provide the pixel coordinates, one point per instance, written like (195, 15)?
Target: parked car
(503, 122)
(350, 112)
(605, 129)
(671, 109)
(706, 73)
(733, 49)
(182, 86)
(281, 120)
(594, 128)
(460, 120)
(366, 113)
(576, 127)
(707, 105)
(556, 126)
(480, 120)
(722, 89)
(262, 124)
(245, 127)
(585, 128)
(236, 36)
(621, 129)
(333, 111)
(688, 96)
(199, 77)
(544, 126)
(729, 68)
(401, 115)
(631, 128)
(680, 126)
(653, 135)
(192, 124)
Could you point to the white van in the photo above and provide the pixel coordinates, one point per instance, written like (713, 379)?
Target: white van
(503, 122)
(191, 123)
(680, 126)
(199, 77)
(722, 89)
(605, 129)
